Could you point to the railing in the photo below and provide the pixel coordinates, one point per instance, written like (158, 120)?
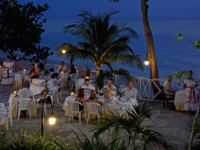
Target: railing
(143, 84)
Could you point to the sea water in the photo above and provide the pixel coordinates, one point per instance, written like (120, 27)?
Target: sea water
(171, 56)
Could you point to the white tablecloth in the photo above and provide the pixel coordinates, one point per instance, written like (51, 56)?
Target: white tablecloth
(179, 100)
(36, 89)
(38, 81)
(63, 75)
(14, 100)
(19, 77)
(66, 106)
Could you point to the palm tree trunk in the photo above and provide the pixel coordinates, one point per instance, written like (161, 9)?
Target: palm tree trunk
(150, 43)
(193, 128)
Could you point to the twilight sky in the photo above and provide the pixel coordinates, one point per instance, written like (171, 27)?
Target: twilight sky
(129, 9)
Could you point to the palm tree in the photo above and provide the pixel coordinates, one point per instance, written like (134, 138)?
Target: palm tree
(103, 42)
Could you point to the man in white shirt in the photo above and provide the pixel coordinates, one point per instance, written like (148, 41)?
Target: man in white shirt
(109, 87)
(167, 87)
(129, 93)
(62, 67)
(88, 88)
(25, 92)
(52, 82)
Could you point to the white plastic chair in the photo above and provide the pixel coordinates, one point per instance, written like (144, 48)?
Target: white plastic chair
(55, 92)
(24, 104)
(74, 79)
(116, 109)
(79, 84)
(6, 114)
(92, 109)
(74, 108)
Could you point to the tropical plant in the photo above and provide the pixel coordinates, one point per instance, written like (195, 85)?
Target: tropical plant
(149, 139)
(97, 143)
(102, 42)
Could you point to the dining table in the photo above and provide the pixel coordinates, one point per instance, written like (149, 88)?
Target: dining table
(18, 79)
(36, 89)
(179, 100)
(13, 100)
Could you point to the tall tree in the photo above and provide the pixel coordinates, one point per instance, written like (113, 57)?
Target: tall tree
(149, 40)
(103, 42)
(21, 29)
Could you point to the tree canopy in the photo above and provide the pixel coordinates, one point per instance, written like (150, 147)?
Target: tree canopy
(21, 29)
(103, 42)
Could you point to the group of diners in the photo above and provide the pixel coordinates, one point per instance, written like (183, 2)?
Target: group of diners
(87, 93)
(190, 90)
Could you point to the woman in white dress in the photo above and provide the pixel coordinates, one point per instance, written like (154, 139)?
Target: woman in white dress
(191, 102)
(8, 76)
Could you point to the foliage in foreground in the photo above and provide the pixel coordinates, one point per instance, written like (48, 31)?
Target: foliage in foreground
(142, 137)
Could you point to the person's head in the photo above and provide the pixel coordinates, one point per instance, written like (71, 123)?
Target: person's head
(81, 92)
(110, 82)
(9, 58)
(131, 84)
(92, 95)
(87, 81)
(190, 73)
(41, 66)
(51, 70)
(80, 69)
(53, 76)
(26, 85)
(72, 66)
(45, 85)
(62, 63)
(18, 63)
(32, 66)
(107, 95)
(169, 78)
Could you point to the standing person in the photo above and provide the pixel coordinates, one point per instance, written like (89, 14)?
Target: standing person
(109, 87)
(62, 67)
(191, 103)
(8, 76)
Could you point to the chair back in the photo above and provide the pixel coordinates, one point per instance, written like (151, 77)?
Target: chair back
(10, 108)
(62, 81)
(73, 76)
(41, 74)
(75, 107)
(93, 108)
(24, 103)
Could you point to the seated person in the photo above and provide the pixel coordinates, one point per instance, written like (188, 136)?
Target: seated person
(88, 88)
(80, 98)
(25, 92)
(94, 98)
(62, 67)
(109, 87)
(32, 66)
(129, 93)
(107, 98)
(18, 67)
(167, 87)
(71, 71)
(80, 73)
(43, 93)
(51, 71)
(52, 83)
(35, 74)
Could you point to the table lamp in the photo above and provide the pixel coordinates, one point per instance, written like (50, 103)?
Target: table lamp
(72, 94)
(35, 83)
(87, 77)
(0, 66)
(24, 70)
(15, 93)
(62, 72)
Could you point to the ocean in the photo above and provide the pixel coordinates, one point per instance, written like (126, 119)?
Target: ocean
(171, 56)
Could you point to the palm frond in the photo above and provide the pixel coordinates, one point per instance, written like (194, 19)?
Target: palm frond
(153, 139)
(133, 60)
